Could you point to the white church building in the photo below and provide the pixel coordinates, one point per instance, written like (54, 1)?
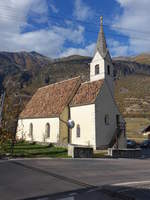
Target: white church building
(91, 105)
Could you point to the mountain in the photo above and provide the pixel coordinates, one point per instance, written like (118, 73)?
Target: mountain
(22, 73)
(143, 58)
(132, 95)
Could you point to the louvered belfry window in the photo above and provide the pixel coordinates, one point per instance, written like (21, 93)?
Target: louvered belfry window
(108, 69)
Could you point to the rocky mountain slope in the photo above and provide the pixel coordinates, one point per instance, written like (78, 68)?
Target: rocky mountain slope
(143, 58)
(22, 73)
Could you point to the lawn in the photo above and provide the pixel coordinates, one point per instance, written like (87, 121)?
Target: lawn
(24, 149)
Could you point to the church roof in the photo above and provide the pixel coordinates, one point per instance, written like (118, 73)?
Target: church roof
(87, 93)
(51, 100)
(101, 45)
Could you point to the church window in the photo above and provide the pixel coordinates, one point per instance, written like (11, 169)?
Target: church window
(108, 69)
(78, 130)
(107, 119)
(96, 69)
(31, 130)
(47, 130)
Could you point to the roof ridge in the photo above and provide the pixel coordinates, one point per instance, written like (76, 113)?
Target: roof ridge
(91, 81)
(87, 93)
(77, 77)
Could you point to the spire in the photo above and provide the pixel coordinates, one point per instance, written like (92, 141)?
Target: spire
(101, 45)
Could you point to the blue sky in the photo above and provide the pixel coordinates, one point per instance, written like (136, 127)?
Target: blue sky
(59, 28)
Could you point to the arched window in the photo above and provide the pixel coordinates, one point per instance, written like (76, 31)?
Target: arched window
(96, 69)
(31, 130)
(78, 130)
(108, 69)
(47, 130)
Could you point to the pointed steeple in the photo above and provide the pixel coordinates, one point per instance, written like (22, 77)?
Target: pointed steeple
(101, 45)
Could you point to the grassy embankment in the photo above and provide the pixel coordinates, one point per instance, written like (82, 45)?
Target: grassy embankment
(27, 150)
(24, 149)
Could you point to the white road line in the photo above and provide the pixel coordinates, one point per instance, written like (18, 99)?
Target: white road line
(131, 183)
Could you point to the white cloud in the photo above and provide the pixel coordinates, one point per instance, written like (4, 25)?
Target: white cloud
(87, 51)
(53, 8)
(71, 34)
(82, 11)
(49, 41)
(39, 7)
(118, 49)
(134, 23)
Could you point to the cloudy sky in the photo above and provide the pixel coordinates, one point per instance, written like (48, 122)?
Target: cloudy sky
(59, 28)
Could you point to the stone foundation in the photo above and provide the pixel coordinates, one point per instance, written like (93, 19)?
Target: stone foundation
(80, 151)
(125, 153)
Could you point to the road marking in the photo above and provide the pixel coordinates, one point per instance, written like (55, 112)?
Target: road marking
(131, 183)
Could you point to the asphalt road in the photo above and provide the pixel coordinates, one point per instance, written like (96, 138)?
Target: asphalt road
(45, 179)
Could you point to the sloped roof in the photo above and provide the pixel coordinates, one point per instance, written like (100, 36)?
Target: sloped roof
(87, 93)
(101, 45)
(50, 100)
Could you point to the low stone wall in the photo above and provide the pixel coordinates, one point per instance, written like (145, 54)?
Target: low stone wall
(146, 153)
(80, 151)
(125, 153)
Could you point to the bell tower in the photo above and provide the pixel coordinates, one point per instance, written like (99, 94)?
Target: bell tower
(101, 67)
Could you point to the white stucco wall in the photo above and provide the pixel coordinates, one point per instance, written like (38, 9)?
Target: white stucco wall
(85, 117)
(38, 129)
(103, 71)
(97, 60)
(105, 105)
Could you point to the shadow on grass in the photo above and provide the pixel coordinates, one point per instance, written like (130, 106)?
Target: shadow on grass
(29, 148)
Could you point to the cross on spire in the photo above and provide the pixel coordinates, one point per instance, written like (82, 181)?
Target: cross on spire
(101, 20)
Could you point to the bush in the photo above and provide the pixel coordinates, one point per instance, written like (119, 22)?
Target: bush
(5, 139)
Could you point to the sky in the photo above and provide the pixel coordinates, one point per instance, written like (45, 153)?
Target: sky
(59, 28)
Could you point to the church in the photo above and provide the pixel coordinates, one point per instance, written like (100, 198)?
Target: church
(91, 105)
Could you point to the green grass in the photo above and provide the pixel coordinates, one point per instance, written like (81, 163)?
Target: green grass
(36, 150)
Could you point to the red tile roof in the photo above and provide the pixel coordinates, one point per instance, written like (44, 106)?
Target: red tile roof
(87, 93)
(51, 100)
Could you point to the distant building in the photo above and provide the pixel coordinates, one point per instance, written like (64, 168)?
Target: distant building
(98, 122)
